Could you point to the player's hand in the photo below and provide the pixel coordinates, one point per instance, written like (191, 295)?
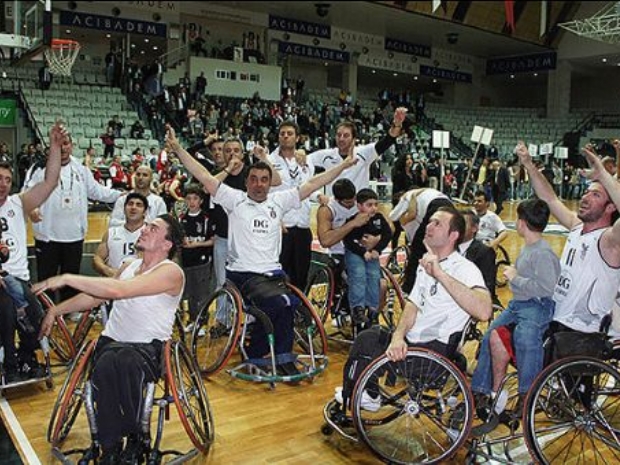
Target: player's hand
(234, 166)
(47, 324)
(260, 152)
(360, 220)
(523, 153)
(510, 273)
(351, 159)
(397, 350)
(301, 157)
(370, 241)
(36, 216)
(58, 134)
(399, 116)
(596, 166)
(430, 261)
(53, 283)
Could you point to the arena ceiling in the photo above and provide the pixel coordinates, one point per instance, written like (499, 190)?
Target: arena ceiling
(480, 26)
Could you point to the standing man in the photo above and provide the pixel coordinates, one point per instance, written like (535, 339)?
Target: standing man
(143, 178)
(255, 236)
(294, 169)
(346, 133)
(146, 294)
(13, 212)
(492, 230)
(61, 223)
(118, 243)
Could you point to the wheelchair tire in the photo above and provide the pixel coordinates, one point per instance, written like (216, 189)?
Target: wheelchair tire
(189, 394)
(308, 327)
(69, 401)
(210, 347)
(320, 291)
(60, 338)
(394, 266)
(80, 333)
(573, 403)
(394, 303)
(423, 413)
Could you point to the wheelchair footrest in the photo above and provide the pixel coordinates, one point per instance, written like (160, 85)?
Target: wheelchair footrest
(338, 420)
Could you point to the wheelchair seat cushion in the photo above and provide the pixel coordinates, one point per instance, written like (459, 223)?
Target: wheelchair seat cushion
(268, 291)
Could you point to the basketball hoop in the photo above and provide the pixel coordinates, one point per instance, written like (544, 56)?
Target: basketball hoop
(61, 55)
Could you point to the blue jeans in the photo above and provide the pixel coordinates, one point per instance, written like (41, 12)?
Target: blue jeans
(15, 290)
(532, 318)
(364, 281)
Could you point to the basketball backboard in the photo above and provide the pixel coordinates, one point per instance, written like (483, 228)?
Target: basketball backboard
(28, 29)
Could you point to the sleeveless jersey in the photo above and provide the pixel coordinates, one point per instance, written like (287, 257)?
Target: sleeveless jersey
(340, 215)
(587, 286)
(121, 245)
(13, 232)
(144, 318)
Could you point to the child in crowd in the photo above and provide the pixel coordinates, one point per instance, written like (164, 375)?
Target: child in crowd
(197, 249)
(525, 320)
(362, 264)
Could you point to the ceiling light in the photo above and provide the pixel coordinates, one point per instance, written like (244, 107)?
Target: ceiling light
(415, 78)
(146, 40)
(535, 74)
(68, 31)
(374, 71)
(108, 36)
(326, 63)
(512, 76)
(133, 45)
(435, 80)
(141, 52)
(604, 60)
(155, 47)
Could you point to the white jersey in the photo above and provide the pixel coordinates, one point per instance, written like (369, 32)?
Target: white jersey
(439, 316)
(254, 228)
(340, 215)
(293, 176)
(358, 174)
(423, 198)
(65, 212)
(157, 207)
(490, 227)
(144, 318)
(587, 286)
(121, 245)
(13, 228)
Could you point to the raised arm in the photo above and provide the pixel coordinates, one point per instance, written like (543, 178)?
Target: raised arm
(544, 190)
(199, 172)
(320, 180)
(165, 279)
(328, 236)
(35, 196)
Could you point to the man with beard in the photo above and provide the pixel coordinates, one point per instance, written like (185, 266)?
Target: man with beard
(589, 277)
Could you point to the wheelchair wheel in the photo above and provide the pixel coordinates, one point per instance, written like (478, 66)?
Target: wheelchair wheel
(572, 413)
(309, 329)
(189, 395)
(501, 262)
(60, 338)
(69, 398)
(393, 304)
(418, 410)
(475, 331)
(80, 333)
(320, 291)
(213, 341)
(397, 262)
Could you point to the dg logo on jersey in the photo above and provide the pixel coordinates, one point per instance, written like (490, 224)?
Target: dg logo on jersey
(261, 225)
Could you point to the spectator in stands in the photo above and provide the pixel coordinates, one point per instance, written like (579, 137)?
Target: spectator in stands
(137, 130)
(61, 223)
(108, 143)
(117, 125)
(136, 99)
(201, 84)
(45, 76)
(117, 173)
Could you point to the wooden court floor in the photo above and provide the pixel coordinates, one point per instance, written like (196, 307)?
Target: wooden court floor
(253, 424)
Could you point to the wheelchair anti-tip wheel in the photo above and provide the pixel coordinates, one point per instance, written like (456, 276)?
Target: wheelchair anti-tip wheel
(418, 410)
(572, 413)
(320, 291)
(217, 330)
(190, 396)
(70, 398)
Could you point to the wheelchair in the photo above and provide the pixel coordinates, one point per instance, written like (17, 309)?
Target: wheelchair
(44, 344)
(226, 322)
(423, 413)
(180, 385)
(502, 260)
(330, 301)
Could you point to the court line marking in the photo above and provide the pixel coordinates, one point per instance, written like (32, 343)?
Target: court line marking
(16, 431)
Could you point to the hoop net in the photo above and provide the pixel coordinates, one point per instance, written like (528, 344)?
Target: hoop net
(61, 55)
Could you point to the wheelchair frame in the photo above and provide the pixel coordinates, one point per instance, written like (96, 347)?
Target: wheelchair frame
(321, 292)
(182, 386)
(212, 351)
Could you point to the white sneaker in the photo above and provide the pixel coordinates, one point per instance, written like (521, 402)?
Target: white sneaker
(341, 321)
(370, 404)
(338, 395)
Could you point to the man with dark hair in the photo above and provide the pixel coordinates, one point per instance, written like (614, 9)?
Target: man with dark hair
(527, 316)
(492, 230)
(346, 134)
(146, 294)
(118, 243)
(21, 363)
(255, 235)
(448, 292)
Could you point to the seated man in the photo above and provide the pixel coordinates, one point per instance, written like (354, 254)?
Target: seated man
(528, 314)
(449, 289)
(20, 363)
(146, 293)
(255, 234)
